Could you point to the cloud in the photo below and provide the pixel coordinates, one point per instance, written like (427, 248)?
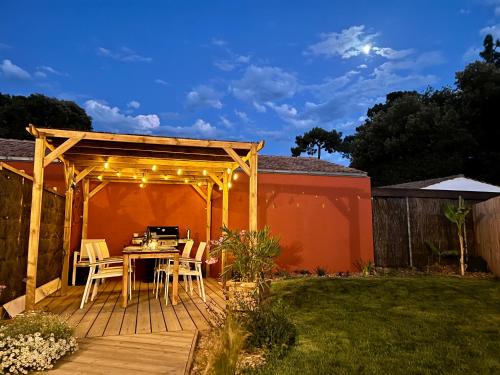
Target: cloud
(262, 84)
(464, 11)
(200, 129)
(4, 46)
(12, 71)
(134, 104)
(202, 97)
(472, 54)
(348, 43)
(352, 42)
(123, 54)
(112, 119)
(493, 30)
(259, 107)
(226, 122)
(242, 116)
(48, 69)
(218, 42)
(161, 82)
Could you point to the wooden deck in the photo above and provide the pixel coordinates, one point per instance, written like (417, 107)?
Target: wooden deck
(152, 353)
(144, 314)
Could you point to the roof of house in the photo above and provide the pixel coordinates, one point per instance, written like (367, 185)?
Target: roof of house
(456, 183)
(15, 149)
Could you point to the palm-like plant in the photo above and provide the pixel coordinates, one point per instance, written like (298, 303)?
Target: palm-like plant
(253, 254)
(458, 215)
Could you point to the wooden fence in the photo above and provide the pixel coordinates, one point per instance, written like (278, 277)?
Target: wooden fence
(487, 232)
(15, 209)
(405, 219)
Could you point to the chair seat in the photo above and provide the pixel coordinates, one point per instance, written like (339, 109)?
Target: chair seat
(109, 272)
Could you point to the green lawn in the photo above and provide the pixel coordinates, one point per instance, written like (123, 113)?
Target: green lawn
(392, 325)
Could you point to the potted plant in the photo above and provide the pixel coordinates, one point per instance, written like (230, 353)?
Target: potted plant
(252, 256)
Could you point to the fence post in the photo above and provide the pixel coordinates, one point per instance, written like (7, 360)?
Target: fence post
(410, 253)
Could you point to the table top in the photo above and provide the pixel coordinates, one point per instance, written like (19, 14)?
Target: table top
(142, 250)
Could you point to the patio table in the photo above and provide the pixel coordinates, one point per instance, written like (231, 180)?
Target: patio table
(163, 252)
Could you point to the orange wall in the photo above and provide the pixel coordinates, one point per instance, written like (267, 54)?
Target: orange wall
(321, 220)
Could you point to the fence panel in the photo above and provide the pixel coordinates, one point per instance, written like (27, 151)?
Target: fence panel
(15, 208)
(487, 232)
(405, 219)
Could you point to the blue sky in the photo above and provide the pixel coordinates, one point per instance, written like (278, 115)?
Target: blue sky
(245, 70)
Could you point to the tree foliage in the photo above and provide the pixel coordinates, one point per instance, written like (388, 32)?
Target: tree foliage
(437, 133)
(317, 139)
(16, 112)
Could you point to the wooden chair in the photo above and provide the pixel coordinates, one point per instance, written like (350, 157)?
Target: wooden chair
(98, 269)
(186, 271)
(186, 253)
(80, 259)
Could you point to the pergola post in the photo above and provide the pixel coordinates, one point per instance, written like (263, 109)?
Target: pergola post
(252, 204)
(85, 218)
(210, 187)
(225, 217)
(36, 211)
(68, 214)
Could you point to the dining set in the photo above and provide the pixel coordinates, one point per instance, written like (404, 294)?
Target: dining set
(169, 263)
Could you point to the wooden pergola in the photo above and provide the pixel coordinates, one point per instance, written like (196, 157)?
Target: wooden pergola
(137, 159)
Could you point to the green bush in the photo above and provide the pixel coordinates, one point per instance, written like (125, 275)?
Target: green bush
(269, 327)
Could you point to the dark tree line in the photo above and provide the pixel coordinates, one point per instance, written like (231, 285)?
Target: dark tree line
(16, 112)
(437, 133)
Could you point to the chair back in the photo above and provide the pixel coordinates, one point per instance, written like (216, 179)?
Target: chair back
(200, 251)
(101, 248)
(186, 252)
(90, 252)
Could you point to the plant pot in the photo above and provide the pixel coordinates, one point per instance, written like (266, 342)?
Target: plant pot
(242, 294)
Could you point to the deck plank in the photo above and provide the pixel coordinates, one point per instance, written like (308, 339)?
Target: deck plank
(101, 321)
(130, 317)
(143, 315)
(157, 320)
(130, 354)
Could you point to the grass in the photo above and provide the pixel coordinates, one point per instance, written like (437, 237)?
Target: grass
(392, 325)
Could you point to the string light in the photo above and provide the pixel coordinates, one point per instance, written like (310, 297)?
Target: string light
(106, 165)
(141, 185)
(229, 170)
(229, 185)
(235, 176)
(186, 180)
(205, 172)
(166, 177)
(118, 174)
(179, 172)
(154, 168)
(144, 179)
(199, 184)
(135, 177)
(99, 177)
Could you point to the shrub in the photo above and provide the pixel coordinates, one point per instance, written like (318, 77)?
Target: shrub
(229, 340)
(34, 341)
(303, 272)
(320, 271)
(269, 327)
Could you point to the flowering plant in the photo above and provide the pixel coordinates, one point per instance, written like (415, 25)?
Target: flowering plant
(33, 342)
(253, 253)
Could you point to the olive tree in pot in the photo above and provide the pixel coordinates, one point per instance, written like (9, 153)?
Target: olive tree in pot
(252, 256)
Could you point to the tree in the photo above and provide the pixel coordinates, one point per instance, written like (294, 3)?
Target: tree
(411, 136)
(438, 133)
(16, 112)
(490, 54)
(317, 139)
(458, 215)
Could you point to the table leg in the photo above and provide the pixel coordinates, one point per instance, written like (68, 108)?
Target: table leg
(125, 280)
(175, 283)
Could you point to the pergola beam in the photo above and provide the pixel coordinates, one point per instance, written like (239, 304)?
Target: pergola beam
(252, 191)
(84, 174)
(244, 166)
(98, 188)
(199, 191)
(68, 213)
(216, 179)
(36, 211)
(60, 150)
(146, 139)
(210, 187)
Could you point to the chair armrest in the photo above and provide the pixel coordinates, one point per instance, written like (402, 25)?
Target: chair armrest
(104, 262)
